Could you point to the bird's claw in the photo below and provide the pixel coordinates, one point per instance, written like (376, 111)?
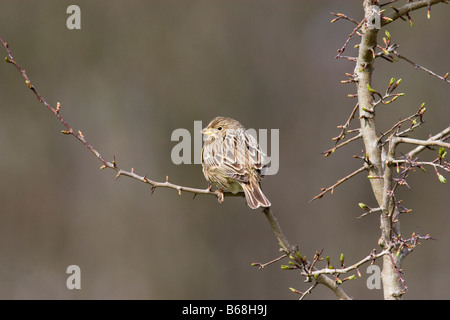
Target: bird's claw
(220, 196)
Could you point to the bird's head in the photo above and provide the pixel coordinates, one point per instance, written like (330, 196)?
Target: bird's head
(219, 125)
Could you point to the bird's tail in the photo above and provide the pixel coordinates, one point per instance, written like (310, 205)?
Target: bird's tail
(254, 196)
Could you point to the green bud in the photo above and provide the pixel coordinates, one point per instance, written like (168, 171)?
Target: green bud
(442, 178)
(362, 205)
(371, 89)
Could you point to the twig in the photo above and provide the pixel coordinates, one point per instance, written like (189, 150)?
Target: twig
(310, 289)
(414, 124)
(369, 211)
(425, 143)
(340, 181)
(342, 16)
(106, 164)
(350, 37)
(332, 150)
(370, 257)
(263, 265)
(408, 7)
(344, 127)
(418, 66)
(423, 163)
(440, 136)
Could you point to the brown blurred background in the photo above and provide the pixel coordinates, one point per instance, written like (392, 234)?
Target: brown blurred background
(138, 70)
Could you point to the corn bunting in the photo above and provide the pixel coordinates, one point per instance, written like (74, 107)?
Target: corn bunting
(232, 160)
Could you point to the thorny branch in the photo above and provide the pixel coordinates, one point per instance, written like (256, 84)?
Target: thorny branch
(339, 182)
(418, 66)
(107, 164)
(407, 8)
(389, 52)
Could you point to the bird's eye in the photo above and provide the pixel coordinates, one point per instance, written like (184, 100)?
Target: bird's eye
(219, 128)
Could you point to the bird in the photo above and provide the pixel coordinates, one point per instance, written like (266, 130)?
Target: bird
(233, 161)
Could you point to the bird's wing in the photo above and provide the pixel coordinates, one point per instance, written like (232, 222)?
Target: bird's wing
(241, 156)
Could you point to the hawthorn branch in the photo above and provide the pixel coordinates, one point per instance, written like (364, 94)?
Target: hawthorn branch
(350, 37)
(407, 8)
(371, 257)
(443, 135)
(340, 145)
(389, 52)
(418, 66)
(414, 124)
(107, 164)
(291, 251)
(340, 181)
(282, 240)
(347, 124)
(424, 143)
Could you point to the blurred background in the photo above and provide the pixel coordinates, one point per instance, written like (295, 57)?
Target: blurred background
(138, 70)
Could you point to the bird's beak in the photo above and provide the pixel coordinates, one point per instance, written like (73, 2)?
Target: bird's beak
(206, 131)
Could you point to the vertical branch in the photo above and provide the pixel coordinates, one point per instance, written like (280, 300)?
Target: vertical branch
(363, 72)
(380, 185)
(393, 287)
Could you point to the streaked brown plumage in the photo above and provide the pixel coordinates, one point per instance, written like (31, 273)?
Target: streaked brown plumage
(232, 160)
